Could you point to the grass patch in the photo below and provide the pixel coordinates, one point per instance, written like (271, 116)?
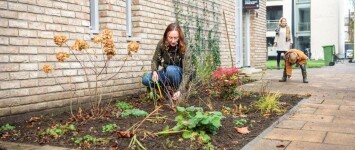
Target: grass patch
(271, 64)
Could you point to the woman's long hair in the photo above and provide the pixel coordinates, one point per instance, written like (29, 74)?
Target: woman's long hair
(181, 43)
(288, 32)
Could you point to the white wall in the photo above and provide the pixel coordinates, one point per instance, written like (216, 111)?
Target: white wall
(324, 26)
(341, 15)
(287, 11)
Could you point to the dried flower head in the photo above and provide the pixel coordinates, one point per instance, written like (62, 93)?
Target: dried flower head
(97, 39)
(61, 56)
(60, 39)
(47, 68)
(106, 34)
(133, 47)
(109, 47)
(80, 45)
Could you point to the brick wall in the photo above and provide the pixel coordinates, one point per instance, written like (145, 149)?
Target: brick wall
(26, 44)
(258, 49)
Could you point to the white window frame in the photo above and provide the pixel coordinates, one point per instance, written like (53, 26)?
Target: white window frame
(94, 17)
(129, 27)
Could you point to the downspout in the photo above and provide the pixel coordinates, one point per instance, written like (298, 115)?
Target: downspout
(293, 23)
(129, 18)
(247, 40)
(239, 32)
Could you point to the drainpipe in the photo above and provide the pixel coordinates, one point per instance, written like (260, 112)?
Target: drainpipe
(247, 40)
(239, 32)
(293, 23)
(129, 18)
(341, 27)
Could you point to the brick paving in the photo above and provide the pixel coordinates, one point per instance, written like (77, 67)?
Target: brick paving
(324, 121)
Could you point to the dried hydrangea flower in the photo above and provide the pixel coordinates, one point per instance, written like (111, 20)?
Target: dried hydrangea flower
(109, 47)
(60, 39)
(106, 34)
(80, 45)
(47, 68)
(61, 56)
(133, 47)
(97, 39)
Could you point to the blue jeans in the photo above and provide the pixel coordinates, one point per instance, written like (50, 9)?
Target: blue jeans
(169, 76)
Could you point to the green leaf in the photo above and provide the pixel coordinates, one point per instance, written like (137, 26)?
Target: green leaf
(187, 134)
(206, 121)
(199, 115)
(216, 122)
(166, 128)
(151, 95)
(194, 109)
(191, 123)
(180, 109)
(123, 105)
(203, 137)
(179, 118)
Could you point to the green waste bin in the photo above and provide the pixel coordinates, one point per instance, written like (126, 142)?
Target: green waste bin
(329, 51)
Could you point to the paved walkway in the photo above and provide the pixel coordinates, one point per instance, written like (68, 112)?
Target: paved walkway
(324, 121)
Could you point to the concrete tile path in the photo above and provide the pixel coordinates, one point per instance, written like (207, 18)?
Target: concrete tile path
(324, 121)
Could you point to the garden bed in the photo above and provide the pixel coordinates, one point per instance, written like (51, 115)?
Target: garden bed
(33, 129)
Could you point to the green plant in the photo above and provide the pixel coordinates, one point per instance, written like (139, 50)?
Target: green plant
(123, 105)
(7, 127)
(57, 130)
(195, 124)
(204, 67)
(109, 128)
(269, 103)
(208, 146)
(87, 140)
(134, 112)
(240, 122)
(225, 82)
(252, 122)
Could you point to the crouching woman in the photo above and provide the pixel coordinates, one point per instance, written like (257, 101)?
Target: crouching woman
(169, 54)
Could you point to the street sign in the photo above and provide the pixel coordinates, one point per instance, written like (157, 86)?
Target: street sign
(250, 4)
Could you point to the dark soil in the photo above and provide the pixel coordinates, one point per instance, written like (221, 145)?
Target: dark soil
(226, 138)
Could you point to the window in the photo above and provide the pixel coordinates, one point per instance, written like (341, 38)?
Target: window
(304, 17)
(94, 17)
(273, 14)
(129, 22)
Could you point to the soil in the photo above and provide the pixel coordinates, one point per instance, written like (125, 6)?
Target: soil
(27, 131)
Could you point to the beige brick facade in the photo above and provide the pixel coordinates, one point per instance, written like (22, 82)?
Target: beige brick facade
(258, 53)
(26, 45)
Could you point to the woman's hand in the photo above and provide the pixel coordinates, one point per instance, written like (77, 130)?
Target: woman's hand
(176, 95)
(155, 76)
(275, 44)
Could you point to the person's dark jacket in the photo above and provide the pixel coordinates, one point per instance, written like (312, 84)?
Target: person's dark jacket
(166, 57)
